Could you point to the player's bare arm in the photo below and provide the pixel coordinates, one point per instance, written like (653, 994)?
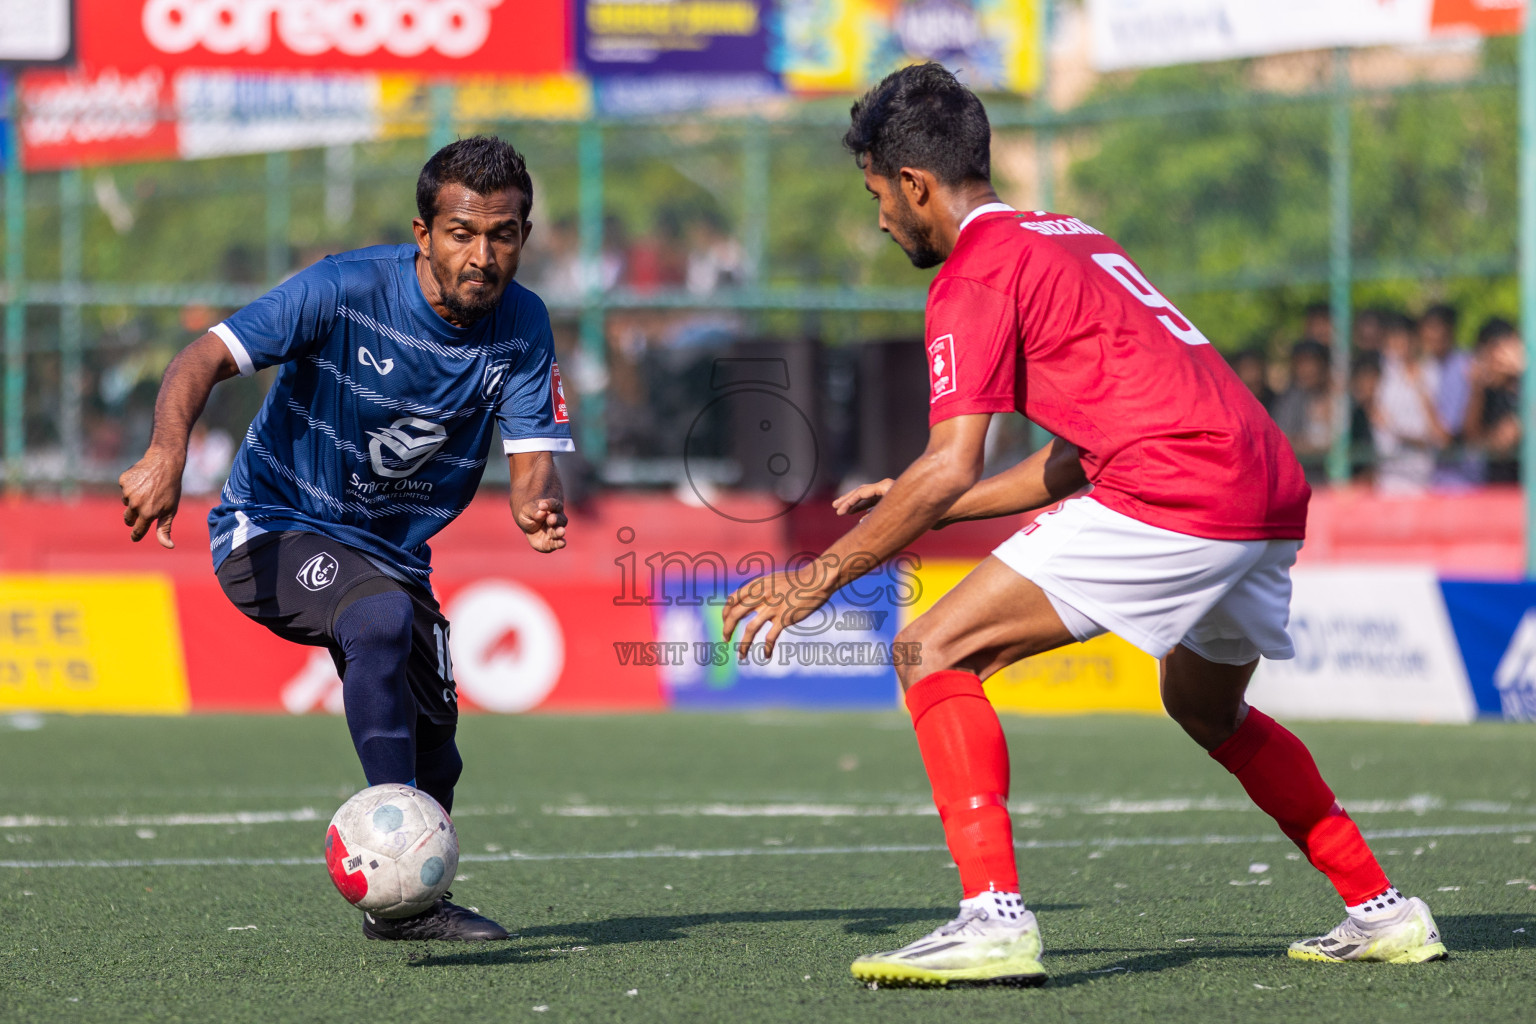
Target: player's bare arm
(1050, 475)
(152, 486)
(538, 500)
(948, 467)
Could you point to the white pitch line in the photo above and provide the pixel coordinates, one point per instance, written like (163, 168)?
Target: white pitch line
(1421, 804)
(514, 856)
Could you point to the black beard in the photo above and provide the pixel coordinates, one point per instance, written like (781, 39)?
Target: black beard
(919, 246)
(465, 311)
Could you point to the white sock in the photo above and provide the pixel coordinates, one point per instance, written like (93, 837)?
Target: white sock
(1000, 906)
(1379, 908)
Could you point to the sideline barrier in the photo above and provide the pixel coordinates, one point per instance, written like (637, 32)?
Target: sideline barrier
(1496, 627)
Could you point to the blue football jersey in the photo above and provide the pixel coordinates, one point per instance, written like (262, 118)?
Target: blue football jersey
(378, 427)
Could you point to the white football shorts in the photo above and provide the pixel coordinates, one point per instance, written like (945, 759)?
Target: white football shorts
(1229, 601)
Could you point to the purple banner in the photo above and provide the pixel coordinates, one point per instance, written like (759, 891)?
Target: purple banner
(665, 37)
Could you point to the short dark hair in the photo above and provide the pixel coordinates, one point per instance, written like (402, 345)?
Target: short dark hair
(921, 116)
(1445, 314)
(1309, 349)
(1495, 328)
(483, 164)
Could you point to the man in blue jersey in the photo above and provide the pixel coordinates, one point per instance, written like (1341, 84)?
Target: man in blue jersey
(397, 363)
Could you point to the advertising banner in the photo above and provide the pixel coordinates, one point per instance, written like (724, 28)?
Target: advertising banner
(90, 643)
(514, 647)
(422, 36)
(847, 45)
(1373, 643)
(35, 31)
(1106, 674)
(1496, 626)
(1151, 33)
(405, 101)
(663, 56)
(82, 118)
(221, 113)
(1485, 17)
(669, 36)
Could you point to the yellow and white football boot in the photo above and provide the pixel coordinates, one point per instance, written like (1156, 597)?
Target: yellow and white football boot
(985, 945)
(1409, 938)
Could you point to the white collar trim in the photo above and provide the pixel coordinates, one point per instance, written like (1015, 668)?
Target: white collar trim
(983, 209)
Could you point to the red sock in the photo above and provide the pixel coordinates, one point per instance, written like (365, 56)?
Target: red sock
(1281, 777)
(966, 757)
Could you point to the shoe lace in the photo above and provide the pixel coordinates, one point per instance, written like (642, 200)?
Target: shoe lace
(968, 916)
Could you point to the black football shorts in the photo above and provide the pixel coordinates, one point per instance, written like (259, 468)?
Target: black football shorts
(297, 585)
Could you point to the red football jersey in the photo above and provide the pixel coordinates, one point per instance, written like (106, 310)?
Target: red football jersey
(1041, 313)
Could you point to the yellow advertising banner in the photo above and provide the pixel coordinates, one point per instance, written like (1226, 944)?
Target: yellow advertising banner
(1104, 674)
(405, 101)
(848, 45)
(90, 644)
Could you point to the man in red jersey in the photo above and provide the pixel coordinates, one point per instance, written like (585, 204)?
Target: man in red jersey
(1182, 542)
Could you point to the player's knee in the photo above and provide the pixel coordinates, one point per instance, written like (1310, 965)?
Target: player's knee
(922, 652)
(376, 626)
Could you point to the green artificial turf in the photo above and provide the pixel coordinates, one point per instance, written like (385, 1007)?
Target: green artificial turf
(728, 868)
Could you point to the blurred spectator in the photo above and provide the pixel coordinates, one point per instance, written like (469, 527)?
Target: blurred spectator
(1252, 368)
(552, 267)
(657, 260)
(715, 259)
(1408, 431)
(1317, 323)
(209, 453)
(1493, 413)
(1305, 411)
(1364, 380)
(1369, 325)
(1437, 334)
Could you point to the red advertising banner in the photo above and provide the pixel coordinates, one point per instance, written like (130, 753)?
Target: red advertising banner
(1486, 17)
(69, 119)
(424, 36)
(515, 647)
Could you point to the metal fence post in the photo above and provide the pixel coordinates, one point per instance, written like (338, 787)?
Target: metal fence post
(1340, 269)
(755, 174)
(1527, 186)
(71, 330)
(440, 130)
(278, 211)
(594, 342)
(16, 289)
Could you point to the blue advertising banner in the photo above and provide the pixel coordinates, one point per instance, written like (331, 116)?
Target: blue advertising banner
(662, 56)
(1495, 625)
(669, 36)
(5, 119)
(840, 657)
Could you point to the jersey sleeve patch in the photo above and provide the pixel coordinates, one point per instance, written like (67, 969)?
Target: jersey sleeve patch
(557, 394)
(941, 367)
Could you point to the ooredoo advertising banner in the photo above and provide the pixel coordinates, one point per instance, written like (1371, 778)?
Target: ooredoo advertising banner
(424, 36)
(1373, 643)
(1151, 33)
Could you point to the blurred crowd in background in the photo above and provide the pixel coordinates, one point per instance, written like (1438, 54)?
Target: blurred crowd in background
(1424, 413)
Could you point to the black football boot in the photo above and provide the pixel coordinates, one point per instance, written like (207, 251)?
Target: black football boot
(444, 922)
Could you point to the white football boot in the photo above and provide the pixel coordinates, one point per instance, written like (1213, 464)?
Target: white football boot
(1409, 938)
(976, 948)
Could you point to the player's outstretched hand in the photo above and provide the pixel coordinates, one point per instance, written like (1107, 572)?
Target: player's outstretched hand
(151, 493)
(775, 602)
(862, 499)
(543, 522)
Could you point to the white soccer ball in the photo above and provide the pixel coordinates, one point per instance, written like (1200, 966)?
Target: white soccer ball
(391, 851)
